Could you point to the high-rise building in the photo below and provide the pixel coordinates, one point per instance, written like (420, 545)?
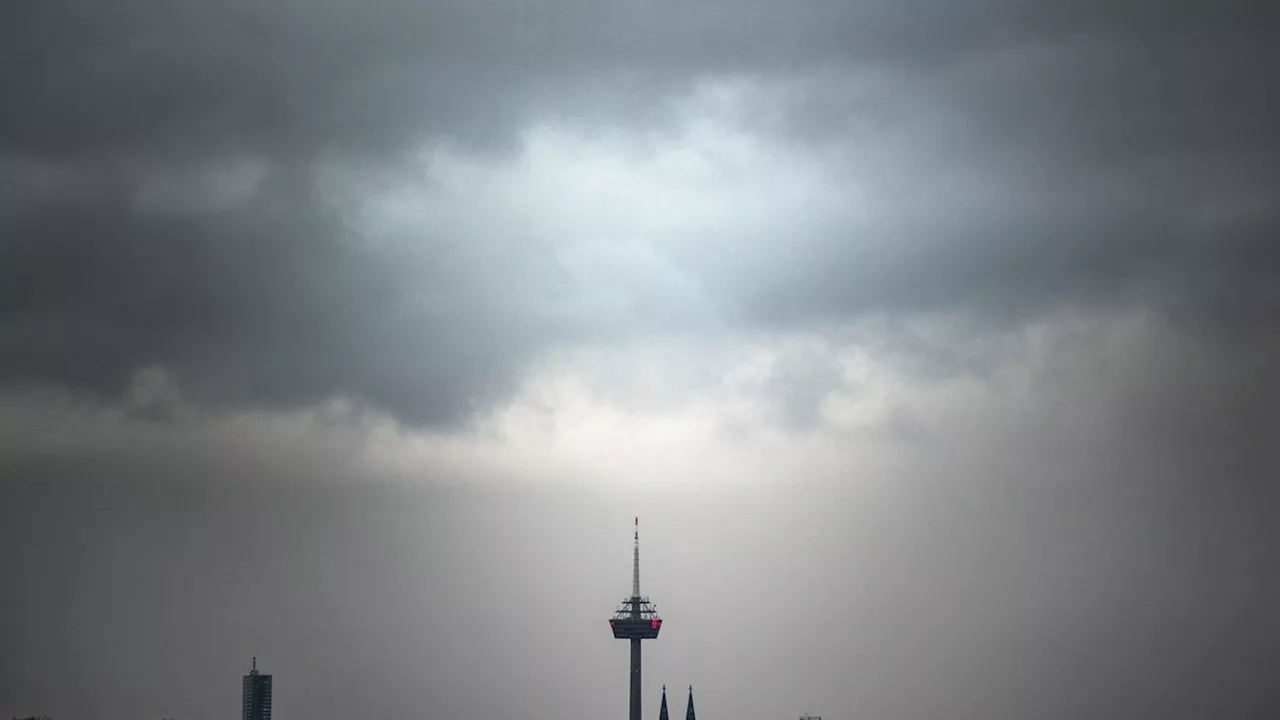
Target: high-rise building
(255, 698)
(636, 620)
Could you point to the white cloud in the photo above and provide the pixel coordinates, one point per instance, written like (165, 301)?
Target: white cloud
(624, 224)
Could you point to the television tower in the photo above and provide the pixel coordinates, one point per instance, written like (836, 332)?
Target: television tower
(636, 620)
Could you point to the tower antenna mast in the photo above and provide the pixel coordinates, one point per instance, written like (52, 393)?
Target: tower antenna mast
(635, 563)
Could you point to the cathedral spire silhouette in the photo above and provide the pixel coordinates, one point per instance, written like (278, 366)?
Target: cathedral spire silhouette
(662, 714)
(689, 714)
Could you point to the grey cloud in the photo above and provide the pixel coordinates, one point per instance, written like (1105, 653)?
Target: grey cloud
(801, 380)
(269, 304)
(136, 236)
(282, 76)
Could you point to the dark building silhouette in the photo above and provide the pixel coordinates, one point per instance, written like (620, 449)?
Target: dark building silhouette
(636, 620)
(255, 698)
(689, 714)
(662, 714)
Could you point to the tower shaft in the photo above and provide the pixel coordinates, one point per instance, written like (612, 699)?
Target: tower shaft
(635, 679)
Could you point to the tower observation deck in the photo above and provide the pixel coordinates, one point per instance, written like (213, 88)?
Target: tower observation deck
(636, 620)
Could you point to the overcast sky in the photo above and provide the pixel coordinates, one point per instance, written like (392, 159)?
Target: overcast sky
(935, 344)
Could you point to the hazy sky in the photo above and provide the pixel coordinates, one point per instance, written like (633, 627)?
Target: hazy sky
(935, 344)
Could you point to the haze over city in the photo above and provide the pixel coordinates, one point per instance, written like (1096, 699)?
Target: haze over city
(935, 346)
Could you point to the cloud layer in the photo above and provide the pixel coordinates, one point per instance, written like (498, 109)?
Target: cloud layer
(283, 204)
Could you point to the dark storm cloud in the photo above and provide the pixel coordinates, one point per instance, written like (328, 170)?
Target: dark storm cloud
(284, 76)
(265, 305)
(1119, 154)
(1129, 119)
(279, 77)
